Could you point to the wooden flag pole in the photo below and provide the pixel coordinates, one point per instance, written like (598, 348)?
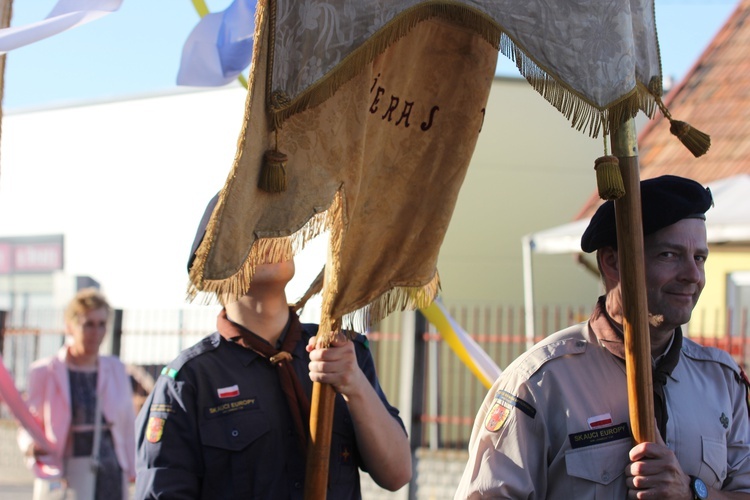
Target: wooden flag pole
(629, 222)
(324, 395)
(319, 448)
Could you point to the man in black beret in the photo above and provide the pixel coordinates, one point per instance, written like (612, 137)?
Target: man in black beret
(556, 423)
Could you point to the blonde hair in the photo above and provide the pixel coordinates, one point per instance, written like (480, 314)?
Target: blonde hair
(87, 299)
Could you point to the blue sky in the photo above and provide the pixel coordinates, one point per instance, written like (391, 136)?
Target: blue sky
(137, 49)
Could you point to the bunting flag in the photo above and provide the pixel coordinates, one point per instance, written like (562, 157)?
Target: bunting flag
(466, 348)
(220, 46)
(65, 15)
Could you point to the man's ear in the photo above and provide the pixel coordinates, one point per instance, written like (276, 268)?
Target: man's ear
(609, 263)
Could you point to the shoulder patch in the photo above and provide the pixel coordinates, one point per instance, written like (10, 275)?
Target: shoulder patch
(155, 429)
(496, 417)
(502, 405)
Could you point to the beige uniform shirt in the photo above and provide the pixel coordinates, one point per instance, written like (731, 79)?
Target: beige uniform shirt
(556, 423)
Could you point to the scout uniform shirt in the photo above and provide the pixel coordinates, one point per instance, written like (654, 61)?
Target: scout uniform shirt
(556, 424)
(217, 425)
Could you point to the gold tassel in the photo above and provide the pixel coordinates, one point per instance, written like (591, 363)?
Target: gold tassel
(696, 141)
(273, 172)
(608, 178)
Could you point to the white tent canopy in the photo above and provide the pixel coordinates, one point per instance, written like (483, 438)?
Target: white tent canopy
(727, 222)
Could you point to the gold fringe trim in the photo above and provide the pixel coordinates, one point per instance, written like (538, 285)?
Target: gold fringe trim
(400, 298)
(397, 299)
(582, 114)
(329, 324)
(263, 250)
(266, 250)
(236, 284)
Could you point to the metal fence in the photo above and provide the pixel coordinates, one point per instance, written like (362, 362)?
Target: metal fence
(445, 394)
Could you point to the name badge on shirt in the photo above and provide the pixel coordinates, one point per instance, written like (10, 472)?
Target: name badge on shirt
(599, 436)
(225, 408)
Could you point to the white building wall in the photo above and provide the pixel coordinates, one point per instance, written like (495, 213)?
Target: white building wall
(126, 181)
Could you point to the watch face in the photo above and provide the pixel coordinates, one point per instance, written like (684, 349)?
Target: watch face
(700, 488)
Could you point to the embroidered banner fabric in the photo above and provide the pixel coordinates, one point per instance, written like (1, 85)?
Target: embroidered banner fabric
(582, 56)
(377, 106)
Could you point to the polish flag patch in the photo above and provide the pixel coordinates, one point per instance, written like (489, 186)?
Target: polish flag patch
(228, 392)
(600, 421)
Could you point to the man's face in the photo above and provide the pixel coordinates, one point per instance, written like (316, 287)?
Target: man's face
(675, 274)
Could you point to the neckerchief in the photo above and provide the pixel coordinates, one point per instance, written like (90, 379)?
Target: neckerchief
(299, 405)
(610, 336)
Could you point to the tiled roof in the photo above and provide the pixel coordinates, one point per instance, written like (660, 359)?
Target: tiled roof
(714, 97)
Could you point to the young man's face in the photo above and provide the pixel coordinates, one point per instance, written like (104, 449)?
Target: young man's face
(675, 274)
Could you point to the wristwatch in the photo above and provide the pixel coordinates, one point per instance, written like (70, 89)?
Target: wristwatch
(699, 488)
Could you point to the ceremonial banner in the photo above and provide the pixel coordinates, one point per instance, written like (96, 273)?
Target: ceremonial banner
(389, 150)
(373, 110)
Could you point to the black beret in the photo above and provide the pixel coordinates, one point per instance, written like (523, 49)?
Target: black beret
(664, 201)
(202, 229)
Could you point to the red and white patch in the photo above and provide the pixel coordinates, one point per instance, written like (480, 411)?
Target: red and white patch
(496, 417)
(228, 392)
(154, 429)
(602, 420)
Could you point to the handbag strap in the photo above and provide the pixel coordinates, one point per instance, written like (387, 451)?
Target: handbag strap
(97, 427)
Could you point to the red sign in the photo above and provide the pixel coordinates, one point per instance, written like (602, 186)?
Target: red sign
(34, 254)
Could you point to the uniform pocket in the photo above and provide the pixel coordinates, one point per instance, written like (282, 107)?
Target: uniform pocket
(234, 432)
(714, 457)
(599, 468)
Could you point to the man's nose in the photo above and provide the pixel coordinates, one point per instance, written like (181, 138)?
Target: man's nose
(691, 271)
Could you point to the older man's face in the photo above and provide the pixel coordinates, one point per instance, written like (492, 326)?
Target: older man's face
(675, 257)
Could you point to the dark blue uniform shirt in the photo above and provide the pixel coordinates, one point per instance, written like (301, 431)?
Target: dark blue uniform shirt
(217, 425)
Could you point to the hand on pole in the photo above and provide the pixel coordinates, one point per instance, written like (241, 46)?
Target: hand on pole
(654, 472)
(336, 365)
